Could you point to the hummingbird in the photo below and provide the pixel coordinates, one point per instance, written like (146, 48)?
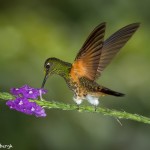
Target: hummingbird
(93, 57)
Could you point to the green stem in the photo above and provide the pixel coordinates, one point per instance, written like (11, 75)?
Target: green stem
(63, 106)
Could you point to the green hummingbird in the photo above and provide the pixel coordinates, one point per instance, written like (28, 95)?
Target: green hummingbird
(91, 60)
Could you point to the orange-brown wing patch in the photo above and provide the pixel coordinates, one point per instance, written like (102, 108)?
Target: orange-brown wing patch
(87, 60)
(79, 70)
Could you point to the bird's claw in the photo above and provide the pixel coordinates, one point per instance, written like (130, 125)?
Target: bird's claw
(95, 107)
(78, 107)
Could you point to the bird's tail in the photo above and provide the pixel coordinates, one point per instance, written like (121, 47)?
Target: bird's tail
(111, 92)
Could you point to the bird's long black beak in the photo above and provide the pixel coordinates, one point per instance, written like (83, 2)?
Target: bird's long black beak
(44, 81)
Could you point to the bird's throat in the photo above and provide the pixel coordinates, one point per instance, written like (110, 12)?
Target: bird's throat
(63, 69)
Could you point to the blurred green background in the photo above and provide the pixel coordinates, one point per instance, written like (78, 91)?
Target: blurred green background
(33, 30)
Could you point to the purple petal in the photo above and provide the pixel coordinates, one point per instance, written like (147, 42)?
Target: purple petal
(40, 113)
(23, 105)
(15, 91)
(28, 92)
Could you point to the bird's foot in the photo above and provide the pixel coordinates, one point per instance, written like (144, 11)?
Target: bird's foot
(95, 107)
(78, 107)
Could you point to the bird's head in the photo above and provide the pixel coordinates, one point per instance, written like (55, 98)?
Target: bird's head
(50, 67)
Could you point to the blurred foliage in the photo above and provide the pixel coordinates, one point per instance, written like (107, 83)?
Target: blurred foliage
(33, 30)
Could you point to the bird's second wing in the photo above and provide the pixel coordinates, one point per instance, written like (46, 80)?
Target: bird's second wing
(113, 44)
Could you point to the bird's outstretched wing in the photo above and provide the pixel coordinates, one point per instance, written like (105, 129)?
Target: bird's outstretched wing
(87, 60)
(113, 44)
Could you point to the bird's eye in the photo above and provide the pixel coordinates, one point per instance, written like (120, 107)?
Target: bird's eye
(47, 66)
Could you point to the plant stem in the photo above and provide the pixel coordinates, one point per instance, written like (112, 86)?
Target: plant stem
(63, 106)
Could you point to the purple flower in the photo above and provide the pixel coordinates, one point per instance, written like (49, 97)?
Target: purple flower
(22, 104)
(27, 91)
(25, 106)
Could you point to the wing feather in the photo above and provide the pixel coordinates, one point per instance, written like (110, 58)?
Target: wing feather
(87, 59)
(113, 45)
